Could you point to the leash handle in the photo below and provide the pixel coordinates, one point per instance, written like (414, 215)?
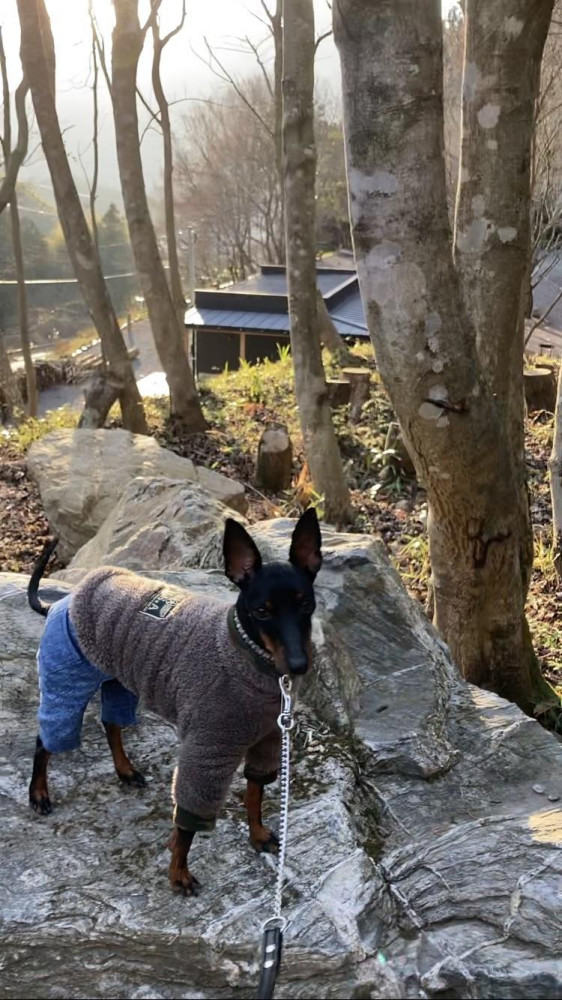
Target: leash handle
(272, 946)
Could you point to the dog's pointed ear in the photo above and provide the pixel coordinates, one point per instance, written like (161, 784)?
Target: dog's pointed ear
(305, 552)
(241, 554)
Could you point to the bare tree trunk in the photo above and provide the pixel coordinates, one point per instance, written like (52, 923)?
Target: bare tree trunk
(38, 60)
(425, 345)
(315, 415)
(30, 379)
(13, 158)
(555, 470)
(276, 20)
(128, 40)
(96, 154)
(277, 34)
(95, 136)
(492, 236)
(21, 95)
(176, 289)
(10, 395)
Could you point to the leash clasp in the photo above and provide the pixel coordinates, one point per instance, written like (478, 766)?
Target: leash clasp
(285, 719)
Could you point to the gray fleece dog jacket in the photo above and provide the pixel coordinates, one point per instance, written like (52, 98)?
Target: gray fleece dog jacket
(182, 656)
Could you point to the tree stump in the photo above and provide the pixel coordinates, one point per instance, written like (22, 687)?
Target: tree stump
(402, 460)
(540, 389)
(360, 379)
(102, 393)
(339, 391)
(275, 459)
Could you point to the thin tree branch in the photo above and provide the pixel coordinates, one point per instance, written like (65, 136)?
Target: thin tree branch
(100, 45)
(268, 14)
(146, 129)
(228, 78)
(13, 157)
(320, 39)
(175, 31)
(152, 113)
(254, 48)
(154, 8)
(260, 19)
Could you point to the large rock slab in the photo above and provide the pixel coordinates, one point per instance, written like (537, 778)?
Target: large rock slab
(425, 824)
(161, 523)
(81, 475)
(85, 906)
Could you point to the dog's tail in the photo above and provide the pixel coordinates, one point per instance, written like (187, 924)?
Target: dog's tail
(35, 601)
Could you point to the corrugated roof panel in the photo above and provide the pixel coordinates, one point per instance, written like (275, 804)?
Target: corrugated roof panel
(350, 311)
(280, 322)
(229, 319)
(275, 283)
(348, 317)
(349, 330)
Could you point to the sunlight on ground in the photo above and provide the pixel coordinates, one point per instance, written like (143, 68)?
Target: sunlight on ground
(154, 384)
(547, 826)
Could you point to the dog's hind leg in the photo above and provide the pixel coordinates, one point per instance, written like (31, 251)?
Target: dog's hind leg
(38, 789)
(125, 770)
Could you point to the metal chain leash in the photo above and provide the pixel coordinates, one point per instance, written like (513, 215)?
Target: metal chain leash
(273, 927)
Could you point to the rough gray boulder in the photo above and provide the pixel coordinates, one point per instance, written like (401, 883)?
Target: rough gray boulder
(161, 523)
(424, 826)
(81, 475)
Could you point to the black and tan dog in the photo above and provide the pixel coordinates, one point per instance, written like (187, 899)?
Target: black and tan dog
(211, 670)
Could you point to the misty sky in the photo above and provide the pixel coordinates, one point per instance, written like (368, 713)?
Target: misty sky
(222, 22)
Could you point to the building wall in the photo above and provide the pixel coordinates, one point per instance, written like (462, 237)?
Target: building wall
(216, 348)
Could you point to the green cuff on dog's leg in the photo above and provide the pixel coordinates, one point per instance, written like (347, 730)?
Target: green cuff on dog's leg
(191, 823)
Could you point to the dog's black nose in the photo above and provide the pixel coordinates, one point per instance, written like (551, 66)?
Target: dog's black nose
(298, 664)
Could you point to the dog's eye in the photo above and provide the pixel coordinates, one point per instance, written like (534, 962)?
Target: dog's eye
(260, 612)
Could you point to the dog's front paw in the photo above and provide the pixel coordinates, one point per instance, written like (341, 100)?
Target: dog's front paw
(132, 777)
(40, 803)
(182, 881)
(264, 841)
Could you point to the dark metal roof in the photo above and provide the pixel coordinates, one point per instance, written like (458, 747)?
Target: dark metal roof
(349, 320)
(260, 302)
(271, 280)
(234, 319)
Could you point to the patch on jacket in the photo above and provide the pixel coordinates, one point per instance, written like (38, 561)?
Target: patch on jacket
(160, 606)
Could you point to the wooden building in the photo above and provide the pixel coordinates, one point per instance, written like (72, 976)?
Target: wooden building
(248, 319)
